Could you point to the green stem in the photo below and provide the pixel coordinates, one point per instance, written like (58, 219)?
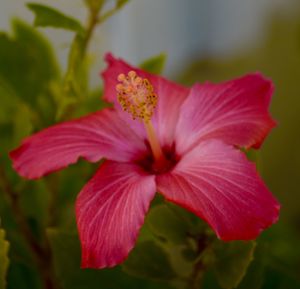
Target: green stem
(53, 186)
(80, 45)
(71, 84)
(41, 253)
(92, 23)
(196, 276)
(195, 279)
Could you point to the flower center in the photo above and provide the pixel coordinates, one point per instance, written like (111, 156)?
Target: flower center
(136, 96)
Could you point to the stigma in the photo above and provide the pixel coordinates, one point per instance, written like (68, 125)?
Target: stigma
(136, 96)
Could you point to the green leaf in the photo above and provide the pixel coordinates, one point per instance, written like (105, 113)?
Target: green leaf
(275, 279)
(46, 16)
(22, 123)
(75, 84)
(149, 260)
(23, 275)
(232, 262)
(155, 64)
(27, 65)
(255, 274)
(92, 103)
(75, 67)
(4, 261)
(164, 223)
(8, 100)
(67, 254)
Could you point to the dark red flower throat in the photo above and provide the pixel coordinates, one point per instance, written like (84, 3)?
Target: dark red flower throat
(152, 166)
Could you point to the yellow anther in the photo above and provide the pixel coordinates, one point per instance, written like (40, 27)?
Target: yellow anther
(136, 96)
(121, 77)
(132, 74)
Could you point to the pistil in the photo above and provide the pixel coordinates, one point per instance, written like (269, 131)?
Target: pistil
(154, 144)
(136, 96)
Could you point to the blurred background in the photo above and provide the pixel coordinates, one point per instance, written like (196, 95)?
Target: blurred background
(204, 40)
(186, 30)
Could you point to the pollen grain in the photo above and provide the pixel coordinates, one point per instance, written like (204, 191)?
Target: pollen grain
(136, 96)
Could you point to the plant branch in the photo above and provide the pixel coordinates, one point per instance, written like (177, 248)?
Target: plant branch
(73, 80)
(92, 23)
(196, 276)
(53, 186)
(41, 253)
(203, 244)
(80, 45)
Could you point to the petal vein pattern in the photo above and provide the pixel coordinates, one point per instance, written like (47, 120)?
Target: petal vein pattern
(170, 98)
(110, 211)
(218, 183)
(102, 134)
(235, 112)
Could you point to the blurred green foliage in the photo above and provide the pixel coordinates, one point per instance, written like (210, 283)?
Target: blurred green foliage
(232, 261)
(278, 58)
(4, 261)
(175, 249)
(66, 251)
(48, 17)
(155, 64)
(149, 260)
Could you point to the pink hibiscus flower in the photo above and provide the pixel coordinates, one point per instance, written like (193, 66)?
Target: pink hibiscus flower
(160, 136)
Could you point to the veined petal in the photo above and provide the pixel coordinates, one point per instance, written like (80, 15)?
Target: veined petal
(170, 98)
(218, 183)
(110, 211)
(235, 112)
(102, 134)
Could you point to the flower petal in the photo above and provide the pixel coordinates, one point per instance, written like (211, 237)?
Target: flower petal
(218, 183)
(235, 111)
(110, 212)
(170, 98)
(102, 134)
